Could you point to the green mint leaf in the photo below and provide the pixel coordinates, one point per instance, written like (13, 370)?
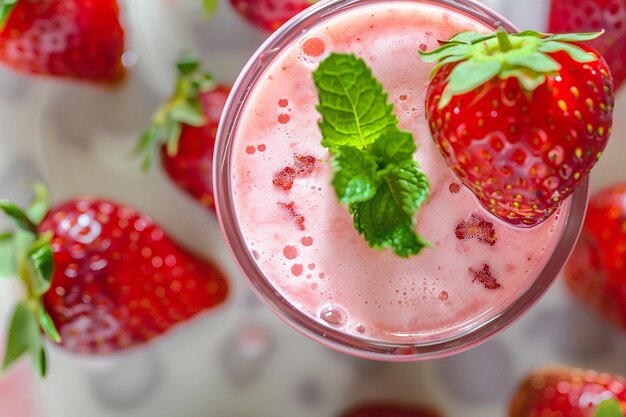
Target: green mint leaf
(40, 204)
(609, 408)
(387, 219)
(18, 216)
(393, 147)
(7, 256)
(6, 6)
(355, 177)
(20, 333)
(46, 323)
(41, 261)
(352, 103)
(375, 173)
(210, 6)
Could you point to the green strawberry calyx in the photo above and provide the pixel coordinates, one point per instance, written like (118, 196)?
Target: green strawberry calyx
(183, 108)
(609, 408)
(210, 7)
(480, 57)
(27, 254)
(6, 6)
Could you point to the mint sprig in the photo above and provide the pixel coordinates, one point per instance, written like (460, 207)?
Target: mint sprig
(374, 170)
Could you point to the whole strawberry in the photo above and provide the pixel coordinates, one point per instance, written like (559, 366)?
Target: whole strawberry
(68, 38)
(569, 392)
(387, 410)
(270, 14)
(596, 270)
(100, 277)
(594, 15)
(185, 128)
(520, 119)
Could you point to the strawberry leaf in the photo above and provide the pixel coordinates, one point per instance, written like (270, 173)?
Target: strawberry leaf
(6, 6)
(18, 216)
(609, 408)
(574, 37)
(40, 204)
(23, 336)
(47, 324)
(7, 256)
(41, 261)
(210, 6)
(183, 108)
(577, 54)
(468, 75)
(445, 52)
(535, 61)
(353, 105)
(355, 177)
(470, 38)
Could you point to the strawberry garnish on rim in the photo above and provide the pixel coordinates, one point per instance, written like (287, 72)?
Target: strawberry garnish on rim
(65, 38)
(521, 119)
(185, 128)
(100, 277)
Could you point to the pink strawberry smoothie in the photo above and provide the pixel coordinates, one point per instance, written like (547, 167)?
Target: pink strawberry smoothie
(303, 238)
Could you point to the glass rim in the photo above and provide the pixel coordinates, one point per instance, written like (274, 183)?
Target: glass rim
(336, 339)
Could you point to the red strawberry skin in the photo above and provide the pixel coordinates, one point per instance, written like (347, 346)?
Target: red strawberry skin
(192, 166)
(269, 15)
(592, 16)
(596, 272)
(70, 38)
(119, 281)
(387, 410)
(522, 153)
(568, 392)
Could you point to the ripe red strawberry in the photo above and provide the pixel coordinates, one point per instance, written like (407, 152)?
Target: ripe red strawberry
(69, 38)
(270, 14)
(569, 392)
(101, 277)
(387, 410)
(596, 271)
(594, 15)
(185, 128)
(520, 119)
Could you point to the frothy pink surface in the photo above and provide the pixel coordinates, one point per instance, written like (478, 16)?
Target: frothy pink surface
(327, 270)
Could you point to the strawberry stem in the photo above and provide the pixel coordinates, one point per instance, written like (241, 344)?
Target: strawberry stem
(503, 40)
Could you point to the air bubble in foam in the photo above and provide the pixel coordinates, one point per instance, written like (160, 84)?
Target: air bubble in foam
(333, 315)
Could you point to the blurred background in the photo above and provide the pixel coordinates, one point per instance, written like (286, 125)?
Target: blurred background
(240, 360)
